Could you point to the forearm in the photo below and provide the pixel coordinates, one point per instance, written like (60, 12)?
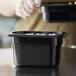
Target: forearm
(7, 8)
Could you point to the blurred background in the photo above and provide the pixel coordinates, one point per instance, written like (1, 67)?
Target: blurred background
(7, 24)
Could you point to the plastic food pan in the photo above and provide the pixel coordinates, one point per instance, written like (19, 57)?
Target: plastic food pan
(40, 49)
(59, 12)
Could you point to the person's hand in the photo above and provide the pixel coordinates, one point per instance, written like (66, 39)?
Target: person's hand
(25, 8)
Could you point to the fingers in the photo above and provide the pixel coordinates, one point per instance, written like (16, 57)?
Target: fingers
(31, 4)
(26, 5)
(37, 2)
(23, 13)
(26, 8)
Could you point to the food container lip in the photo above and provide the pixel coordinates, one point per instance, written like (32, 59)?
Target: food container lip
(38, 34)
(55, 4)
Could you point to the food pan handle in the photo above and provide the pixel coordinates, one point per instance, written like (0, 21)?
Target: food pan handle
(65, 34)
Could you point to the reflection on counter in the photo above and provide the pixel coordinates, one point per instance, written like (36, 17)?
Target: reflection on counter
(24, 71)
(6, 70)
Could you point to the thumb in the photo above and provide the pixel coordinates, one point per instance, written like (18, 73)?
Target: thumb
(37, 2)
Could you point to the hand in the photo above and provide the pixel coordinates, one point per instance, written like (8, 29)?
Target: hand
(25, 8)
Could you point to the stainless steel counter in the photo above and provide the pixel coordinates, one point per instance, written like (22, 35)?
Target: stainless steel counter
(67, 65)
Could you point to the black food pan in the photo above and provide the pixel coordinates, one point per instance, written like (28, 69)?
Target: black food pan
(37, 49)
(59, 11)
